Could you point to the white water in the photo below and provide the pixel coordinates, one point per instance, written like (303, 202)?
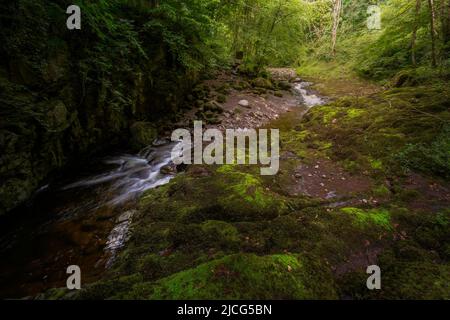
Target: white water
(309, 99)
(134, 174)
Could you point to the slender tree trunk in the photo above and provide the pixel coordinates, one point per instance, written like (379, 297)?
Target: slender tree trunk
(336, 16)
(433, 32)
(414, 33)
(448, 21)
(446, 25)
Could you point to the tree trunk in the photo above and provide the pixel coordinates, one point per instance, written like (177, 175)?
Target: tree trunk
(446, 25)
(336, 16)
(414, 34)
(433, 32)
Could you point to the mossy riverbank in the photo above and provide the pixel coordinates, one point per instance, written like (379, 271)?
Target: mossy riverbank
(224, 232)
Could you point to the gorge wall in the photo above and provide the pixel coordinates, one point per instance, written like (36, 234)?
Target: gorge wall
(66, 94)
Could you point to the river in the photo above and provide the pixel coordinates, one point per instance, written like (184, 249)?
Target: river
(84, 219)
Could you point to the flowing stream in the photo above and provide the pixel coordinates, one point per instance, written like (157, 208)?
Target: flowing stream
(85, 221)
(309, 98)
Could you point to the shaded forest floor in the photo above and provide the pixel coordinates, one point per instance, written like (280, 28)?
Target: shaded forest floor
(361, 182)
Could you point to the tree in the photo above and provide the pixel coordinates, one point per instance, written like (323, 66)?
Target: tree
(336, 16)
(433, 32)
(445, 22)
(414, 33)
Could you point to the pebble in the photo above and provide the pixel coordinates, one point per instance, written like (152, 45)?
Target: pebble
(244, 103)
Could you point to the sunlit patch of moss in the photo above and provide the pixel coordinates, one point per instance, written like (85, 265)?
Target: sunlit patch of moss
(355, 113)
(378, 217)
(329, 113)
(247, 187)
(247, 276)
(298, 142)
(227, 168)
(375, 164)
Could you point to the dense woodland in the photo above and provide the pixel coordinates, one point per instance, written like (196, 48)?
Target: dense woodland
(137, 67)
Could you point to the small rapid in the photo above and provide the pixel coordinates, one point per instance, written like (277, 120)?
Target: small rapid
(309, 99)
(134, 174)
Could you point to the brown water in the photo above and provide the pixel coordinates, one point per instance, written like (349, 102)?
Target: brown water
(75, 222)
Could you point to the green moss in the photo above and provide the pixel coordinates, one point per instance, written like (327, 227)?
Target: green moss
(355, 113)
(247, 276)
(261, 82)
(376, 164)
(329, 113)
(384, 134)
(378, 217)
(297, 142)
(381, 191)
(247, 187)
(401, 280)
(220, 231)
(109, 288)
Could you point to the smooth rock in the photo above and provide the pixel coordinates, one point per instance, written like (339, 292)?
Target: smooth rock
(244, 103)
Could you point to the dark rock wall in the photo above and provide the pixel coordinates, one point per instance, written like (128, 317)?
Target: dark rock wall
(66, 94)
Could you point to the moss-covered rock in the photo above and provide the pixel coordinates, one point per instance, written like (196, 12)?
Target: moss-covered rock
(262, 83)
(143, 134)
(239, 276)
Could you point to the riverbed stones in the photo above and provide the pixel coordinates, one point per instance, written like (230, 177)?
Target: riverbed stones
(244, 103)
(126, 216)
(169, 169)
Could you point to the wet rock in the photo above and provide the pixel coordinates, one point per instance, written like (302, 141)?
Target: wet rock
(126, 216)
(169, 169)
(284, 85)
(160, 142)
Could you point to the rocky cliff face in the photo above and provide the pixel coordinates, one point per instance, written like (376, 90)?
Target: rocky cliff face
(65, 94)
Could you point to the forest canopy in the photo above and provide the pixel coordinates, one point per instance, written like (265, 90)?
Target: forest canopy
(291, 32)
